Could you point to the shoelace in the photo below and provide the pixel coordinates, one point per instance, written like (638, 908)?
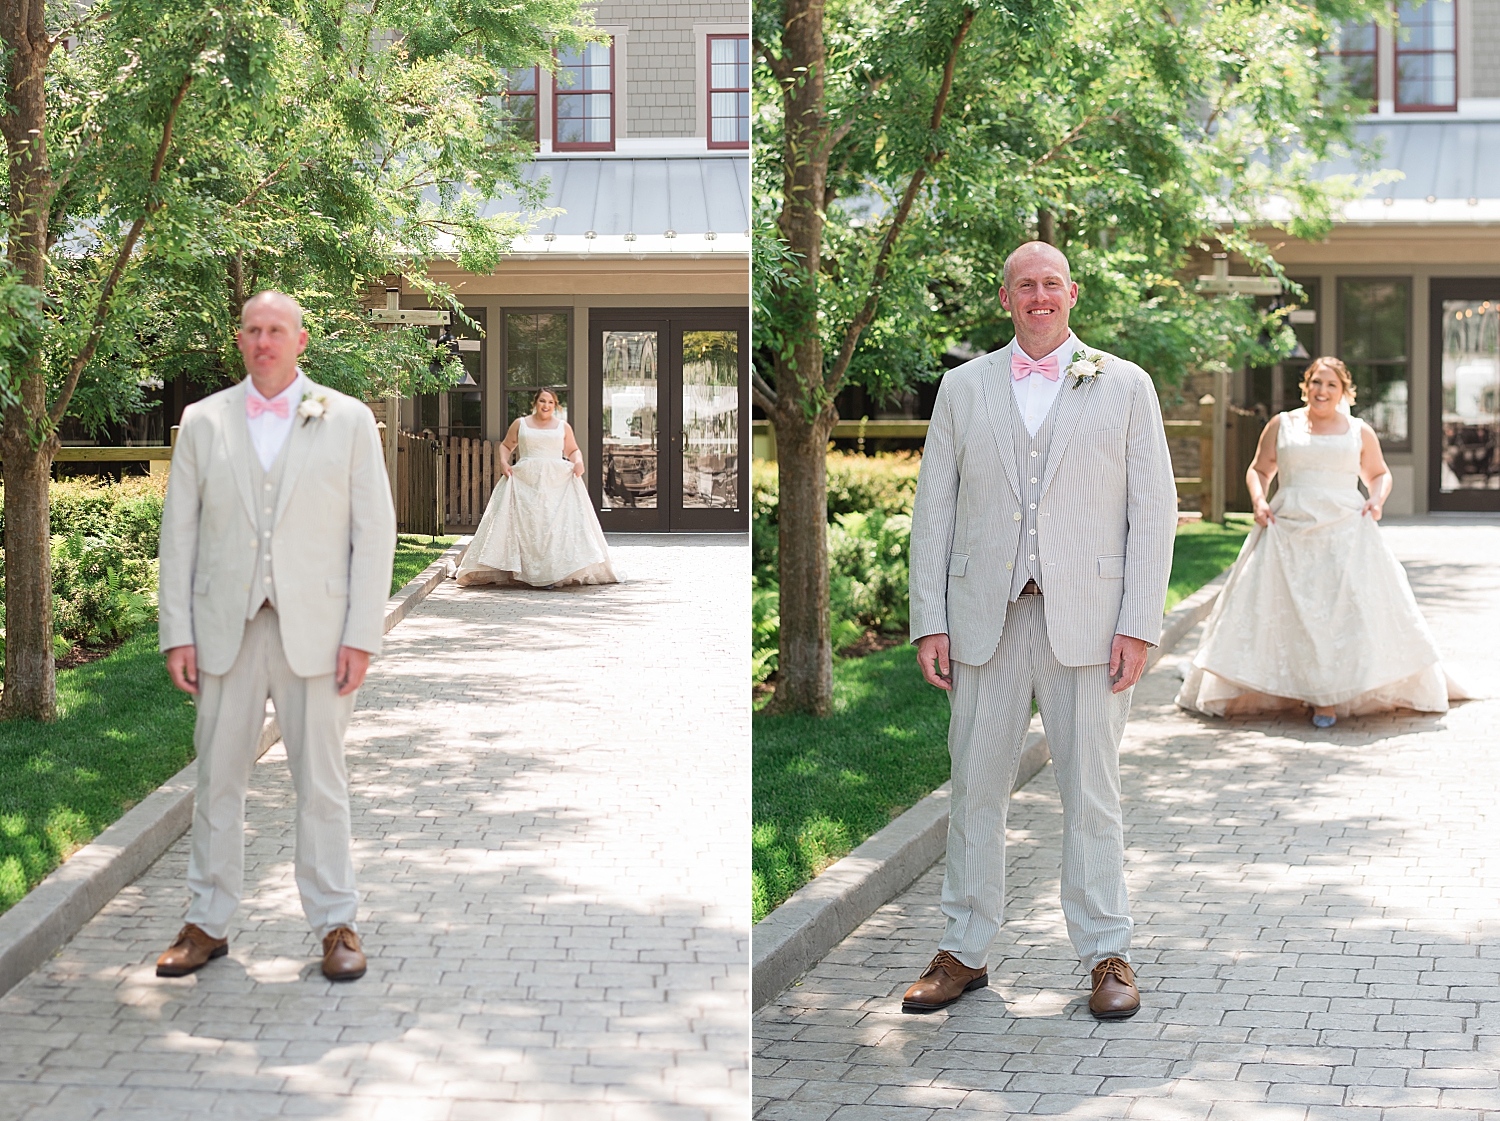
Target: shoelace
(1112, 967)
(944, 958)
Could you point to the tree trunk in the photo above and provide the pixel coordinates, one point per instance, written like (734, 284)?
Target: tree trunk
(30, 671)
(1046, 226)
(804, 669)
(27, 445)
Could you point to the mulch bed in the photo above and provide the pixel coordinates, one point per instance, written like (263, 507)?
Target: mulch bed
(83, 655)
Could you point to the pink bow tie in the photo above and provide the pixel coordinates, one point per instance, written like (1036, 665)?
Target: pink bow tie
(254, 406)
(1022, 365)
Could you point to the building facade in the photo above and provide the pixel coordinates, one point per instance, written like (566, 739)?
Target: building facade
(631, 300)
(1406, 289)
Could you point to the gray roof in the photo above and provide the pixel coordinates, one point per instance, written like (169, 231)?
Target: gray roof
(641, 204)
(1457, 159)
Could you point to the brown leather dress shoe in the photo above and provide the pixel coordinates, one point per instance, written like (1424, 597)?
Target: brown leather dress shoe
(343, 960)
(193, 950)
(944, 981)
(1115, 996)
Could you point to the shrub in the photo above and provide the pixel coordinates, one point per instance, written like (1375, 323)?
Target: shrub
(869, 550)
(104, 545)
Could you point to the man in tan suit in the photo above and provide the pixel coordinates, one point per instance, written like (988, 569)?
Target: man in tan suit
(276, 548)
(1040, 551)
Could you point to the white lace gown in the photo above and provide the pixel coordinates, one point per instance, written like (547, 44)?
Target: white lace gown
(539, 527)
(1317, 609)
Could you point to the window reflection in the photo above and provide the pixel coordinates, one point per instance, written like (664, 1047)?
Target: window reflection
(1471, 396)
(1373, 342)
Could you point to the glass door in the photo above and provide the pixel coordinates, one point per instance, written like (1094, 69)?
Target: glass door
(1465, 438)
(671, 400)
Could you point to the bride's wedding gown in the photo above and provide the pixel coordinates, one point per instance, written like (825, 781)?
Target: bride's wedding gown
(1317, 609)
(539, 527)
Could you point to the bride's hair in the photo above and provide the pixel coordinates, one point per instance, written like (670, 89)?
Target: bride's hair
(1330, 365)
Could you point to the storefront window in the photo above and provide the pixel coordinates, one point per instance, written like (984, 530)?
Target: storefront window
(536, 357)
(1374, 342)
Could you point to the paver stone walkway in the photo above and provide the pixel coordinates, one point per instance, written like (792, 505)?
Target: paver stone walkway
(1317, 924)
(549, 826)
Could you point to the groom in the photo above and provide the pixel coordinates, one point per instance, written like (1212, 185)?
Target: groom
(276, 548)
(1040, 549)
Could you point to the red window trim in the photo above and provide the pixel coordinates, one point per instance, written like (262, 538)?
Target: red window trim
(584, 146)
(1396, 73)
(536, 94)
(1373, 54)
(708, 107)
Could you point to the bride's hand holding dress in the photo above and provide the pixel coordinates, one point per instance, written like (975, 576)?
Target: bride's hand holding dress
(539, 527)
(1317, 610)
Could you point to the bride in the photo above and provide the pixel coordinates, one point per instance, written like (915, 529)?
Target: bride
(1317, 610)
(539, 527)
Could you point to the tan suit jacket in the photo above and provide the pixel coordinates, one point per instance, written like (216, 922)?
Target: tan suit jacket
(332, 543)
(1106, 520)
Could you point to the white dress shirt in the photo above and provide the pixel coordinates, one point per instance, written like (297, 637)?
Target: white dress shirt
(1035, 393)
(268, 432)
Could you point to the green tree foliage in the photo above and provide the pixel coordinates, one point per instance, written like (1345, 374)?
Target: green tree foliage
(947, 132)
(166, 159)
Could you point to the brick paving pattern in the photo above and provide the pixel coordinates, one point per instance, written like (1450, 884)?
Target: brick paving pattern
(1317, 916)
(549, 825)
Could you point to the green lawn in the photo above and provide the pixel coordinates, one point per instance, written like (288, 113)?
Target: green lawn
(1203, 551)
(413, 553)
(821, 787)
(121, 732)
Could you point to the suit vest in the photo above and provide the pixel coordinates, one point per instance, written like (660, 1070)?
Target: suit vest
(1031, 462)
(266, 486)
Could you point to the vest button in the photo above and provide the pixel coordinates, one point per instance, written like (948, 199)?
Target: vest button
(1016, 516)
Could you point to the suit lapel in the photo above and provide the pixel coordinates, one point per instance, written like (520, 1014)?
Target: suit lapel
(299, 446)
(237, 444)
(1000, 404)
(1072, 399)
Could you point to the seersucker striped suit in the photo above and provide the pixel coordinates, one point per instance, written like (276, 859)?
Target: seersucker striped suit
(1088, 508)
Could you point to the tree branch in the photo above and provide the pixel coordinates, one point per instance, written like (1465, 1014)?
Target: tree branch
(266, 182)
(122, 258)
(779, 67)
(762, 393)
(866, 314)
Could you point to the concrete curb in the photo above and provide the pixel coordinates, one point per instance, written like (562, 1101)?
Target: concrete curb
(826, 910)
(58, 907)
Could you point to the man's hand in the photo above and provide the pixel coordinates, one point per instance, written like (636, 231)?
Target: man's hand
(932, 656)
(1127, 661)
(349, 672)
(182, 664)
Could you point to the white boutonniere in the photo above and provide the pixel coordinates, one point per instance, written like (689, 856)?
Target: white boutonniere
(1086, 366)
(312, 408)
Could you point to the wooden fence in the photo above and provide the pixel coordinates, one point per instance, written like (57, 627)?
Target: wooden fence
(471, 467)
(1218, 486)
(419, 484)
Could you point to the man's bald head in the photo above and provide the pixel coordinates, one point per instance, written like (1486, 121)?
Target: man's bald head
(270, 298)
(1037, 253)
(271, 338)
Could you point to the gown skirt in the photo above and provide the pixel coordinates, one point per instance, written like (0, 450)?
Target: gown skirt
(539, 527)
(1317, 610)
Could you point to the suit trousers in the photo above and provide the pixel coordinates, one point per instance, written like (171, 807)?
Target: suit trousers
(313, 719)
(1084, 722)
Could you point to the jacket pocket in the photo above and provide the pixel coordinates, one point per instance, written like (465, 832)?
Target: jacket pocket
(338, 585)
(201, 581)
(958, 563)
(1112, 568)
